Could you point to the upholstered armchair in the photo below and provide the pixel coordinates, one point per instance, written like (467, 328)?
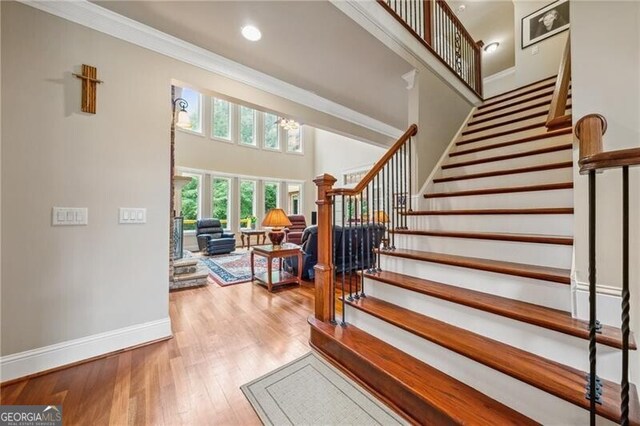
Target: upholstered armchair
(212, 239)
(294, 232)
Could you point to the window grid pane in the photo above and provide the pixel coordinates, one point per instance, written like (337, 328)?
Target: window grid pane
(271, 196)
(220, 201)
(194, 99)
(221, 125)
(294, 140)
(271, 140)
(247, 126)
(247, 202)
(190, 203)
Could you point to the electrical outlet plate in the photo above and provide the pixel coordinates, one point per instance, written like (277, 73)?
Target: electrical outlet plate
(69, 216)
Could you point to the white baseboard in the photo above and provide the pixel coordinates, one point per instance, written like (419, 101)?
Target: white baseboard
(608, 306)
(46, 358)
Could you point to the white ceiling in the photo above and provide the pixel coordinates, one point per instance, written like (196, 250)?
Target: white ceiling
(489, 21)
(310, 44)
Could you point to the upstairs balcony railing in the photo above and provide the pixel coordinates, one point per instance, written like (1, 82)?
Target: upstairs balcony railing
(439, 30)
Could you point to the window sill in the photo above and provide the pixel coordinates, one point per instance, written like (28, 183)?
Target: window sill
(190, 132)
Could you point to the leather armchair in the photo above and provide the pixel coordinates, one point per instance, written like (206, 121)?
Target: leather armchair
(212, 239)
(294, 232)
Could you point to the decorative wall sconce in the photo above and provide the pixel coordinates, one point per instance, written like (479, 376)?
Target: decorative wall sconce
(181, 116)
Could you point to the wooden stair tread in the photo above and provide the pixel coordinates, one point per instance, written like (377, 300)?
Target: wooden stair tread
(550, 149)
(460, 403)
(557, 379)
(504, 123)
(561, 132)
(505, 190)
(545, 87)
(496, 236)
(495, 106)
(503, 133)
(544, 273)
(515, 111)
(554, 77)
(550, 210)
(530, 169)
(549, 318)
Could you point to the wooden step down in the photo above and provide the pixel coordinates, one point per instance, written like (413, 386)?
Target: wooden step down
(488, 191)
(504, 123)
(540, 125)
(554, 378)
(554, 77)
(508, 103)
(560, 132)
(521, 238)
(537, 272)
(536, 103)
(513, 112)
(544, 87)
(531, 169)
(419, 391)
(552, 319)
(552, 210)
(556, 148)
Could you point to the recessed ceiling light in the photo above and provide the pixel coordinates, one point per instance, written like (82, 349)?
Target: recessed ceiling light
(461, 8)
(491, 47)
(251, 33)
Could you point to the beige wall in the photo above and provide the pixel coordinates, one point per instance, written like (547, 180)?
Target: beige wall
(334, 154)
(63, 283)
(605, 70)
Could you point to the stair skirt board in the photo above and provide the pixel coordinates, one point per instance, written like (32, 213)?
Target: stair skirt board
(552, 255)
(540, 177)
(563, 348)
(548, 224)
(528, 400)
(539, 292)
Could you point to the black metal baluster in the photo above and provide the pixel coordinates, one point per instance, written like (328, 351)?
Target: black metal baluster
(592, 391)
(370, 222)
(350, 298)
(361, 265)
(335, 275)
(377, 213)
(624, 385)
(405, 187)
(356, 247)
(392, 201)
(410, 189)
(344, 229)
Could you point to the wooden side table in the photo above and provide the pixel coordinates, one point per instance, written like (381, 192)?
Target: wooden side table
(249, 232)
(276, 278)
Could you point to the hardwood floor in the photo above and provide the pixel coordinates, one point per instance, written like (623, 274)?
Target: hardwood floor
(223, 338)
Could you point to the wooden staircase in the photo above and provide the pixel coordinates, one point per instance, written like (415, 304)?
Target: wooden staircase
(468, 321)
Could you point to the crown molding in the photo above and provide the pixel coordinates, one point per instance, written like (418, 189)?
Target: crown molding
(105, 21)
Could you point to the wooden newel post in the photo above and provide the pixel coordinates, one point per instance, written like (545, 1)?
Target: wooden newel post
(589, 130)
(324, 267)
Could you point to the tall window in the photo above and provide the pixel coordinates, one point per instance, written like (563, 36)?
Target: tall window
(271, 140)
(247, 126)
(221, 125)
(271, 195)
(293, 198)
(294, 140)
(194, 109)
(220, 194)
(190, 202)
(247, 203)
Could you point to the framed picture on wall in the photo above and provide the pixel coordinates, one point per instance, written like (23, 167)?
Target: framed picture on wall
(544, 23)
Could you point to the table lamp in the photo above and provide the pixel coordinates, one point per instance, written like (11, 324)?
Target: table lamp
(276, 219)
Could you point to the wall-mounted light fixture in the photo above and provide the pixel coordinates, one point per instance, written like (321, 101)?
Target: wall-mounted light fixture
(491, 47)
(180, 114)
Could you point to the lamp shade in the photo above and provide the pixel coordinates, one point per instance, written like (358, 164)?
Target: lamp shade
(380, 216)
(276, 218)
(183, 120)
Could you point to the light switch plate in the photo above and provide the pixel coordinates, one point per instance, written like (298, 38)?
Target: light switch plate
(130, 215)
(69, 216)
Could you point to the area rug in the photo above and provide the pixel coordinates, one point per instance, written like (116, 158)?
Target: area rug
(309, 391)
(234, 268)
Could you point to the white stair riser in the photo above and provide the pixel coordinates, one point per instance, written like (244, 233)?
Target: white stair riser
(548, 224)
(545, 293)
(511, 149)
(492, 111)
(553, 345)
(515, 200)
(553, 255)
(512, 163)
(526, 399)
(538, 110)
(536, 88)
(505, 127)
(564, 174)
(499, 139)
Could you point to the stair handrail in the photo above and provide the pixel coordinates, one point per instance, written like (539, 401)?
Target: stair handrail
(429, 21)
(589, 130)
(557, 111)
(383, 196)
